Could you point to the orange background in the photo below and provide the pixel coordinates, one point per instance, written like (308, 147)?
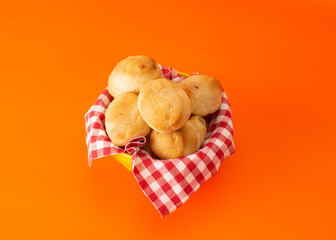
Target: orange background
(276, 62)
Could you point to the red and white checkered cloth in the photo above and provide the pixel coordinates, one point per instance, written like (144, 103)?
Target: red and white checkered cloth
(167, 183)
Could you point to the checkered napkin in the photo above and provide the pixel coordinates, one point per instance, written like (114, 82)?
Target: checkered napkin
(167, 183)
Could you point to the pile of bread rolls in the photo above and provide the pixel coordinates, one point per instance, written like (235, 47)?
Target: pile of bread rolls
(169, 114)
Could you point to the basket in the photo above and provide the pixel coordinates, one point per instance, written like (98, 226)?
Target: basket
(167, 183)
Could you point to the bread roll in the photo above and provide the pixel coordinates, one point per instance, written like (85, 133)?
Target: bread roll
(193, 134)
(167, 145)
(131, 73)
(205, 93)
(123, 120)
(164, 105)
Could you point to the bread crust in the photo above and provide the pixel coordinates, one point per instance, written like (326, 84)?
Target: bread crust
(131, 74)
(193, 134)
(164, 105)
(167, 145)
(205, 93)
(123, 121)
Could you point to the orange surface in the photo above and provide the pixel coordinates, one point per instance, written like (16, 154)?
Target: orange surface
(276, 62)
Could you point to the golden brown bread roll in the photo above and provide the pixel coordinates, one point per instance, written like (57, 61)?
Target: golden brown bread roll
(193, 134)
(123, 120)
(205, 93)
(167, 145)
(164, 105)
(180, 143)
(131, 73)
